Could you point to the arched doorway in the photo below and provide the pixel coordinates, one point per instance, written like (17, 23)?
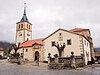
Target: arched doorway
(37, 57)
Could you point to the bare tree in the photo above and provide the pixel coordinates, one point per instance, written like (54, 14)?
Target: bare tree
(15, 47)
(60, 48)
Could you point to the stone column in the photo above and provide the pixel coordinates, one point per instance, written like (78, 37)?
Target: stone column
(73, 63)
(49, 58)
(21, 60)
(56, 58)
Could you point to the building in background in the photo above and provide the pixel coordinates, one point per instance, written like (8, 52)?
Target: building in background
(97, 54)
(87, 34)
(74, 42)
(1, 52)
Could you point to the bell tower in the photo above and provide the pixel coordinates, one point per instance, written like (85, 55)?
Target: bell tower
(23, 29)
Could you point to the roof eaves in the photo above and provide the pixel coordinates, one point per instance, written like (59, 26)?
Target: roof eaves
(52, 33)
(62, 30)
(37, 44)
(86, 39)
(23, 21)
(25, 46)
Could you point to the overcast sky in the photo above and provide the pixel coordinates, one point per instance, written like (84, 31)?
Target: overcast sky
(49, 15)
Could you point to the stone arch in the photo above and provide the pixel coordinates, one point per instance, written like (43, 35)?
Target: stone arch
(36, 56)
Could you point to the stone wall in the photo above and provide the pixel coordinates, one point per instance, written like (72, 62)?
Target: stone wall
(66, 62)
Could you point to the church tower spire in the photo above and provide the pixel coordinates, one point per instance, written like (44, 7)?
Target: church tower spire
(24, 8)
(23, 29)
(24, 18)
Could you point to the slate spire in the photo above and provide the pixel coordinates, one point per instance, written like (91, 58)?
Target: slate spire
(24, 18)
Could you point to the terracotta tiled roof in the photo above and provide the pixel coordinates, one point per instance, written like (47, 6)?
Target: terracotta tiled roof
(78, 29)
(31, 42)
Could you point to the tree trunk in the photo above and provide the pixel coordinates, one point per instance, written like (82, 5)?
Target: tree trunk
(60, 53)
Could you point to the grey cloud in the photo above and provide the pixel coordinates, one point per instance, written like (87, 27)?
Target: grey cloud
(49, 15)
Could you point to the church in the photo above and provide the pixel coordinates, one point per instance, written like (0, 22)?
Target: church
(30, 50)
(77, 40)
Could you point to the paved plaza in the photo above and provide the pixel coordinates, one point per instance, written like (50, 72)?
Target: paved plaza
(7, 68)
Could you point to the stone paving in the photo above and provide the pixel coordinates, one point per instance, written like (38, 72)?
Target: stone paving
(7, 68)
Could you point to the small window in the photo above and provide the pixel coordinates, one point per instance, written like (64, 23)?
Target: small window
(85, 42)
(69, 42)
(60, 38)
(60, 34)
(26, 50)
(29, 26)
(27, 39)
(21, 25)
(52, 43)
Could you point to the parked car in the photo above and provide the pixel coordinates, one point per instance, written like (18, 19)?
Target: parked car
(4, 57)
(99, 61)
(0, 57)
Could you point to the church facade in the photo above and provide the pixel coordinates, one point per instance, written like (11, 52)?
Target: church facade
(30, 50)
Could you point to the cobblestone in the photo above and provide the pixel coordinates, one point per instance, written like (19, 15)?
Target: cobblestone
(7, 68)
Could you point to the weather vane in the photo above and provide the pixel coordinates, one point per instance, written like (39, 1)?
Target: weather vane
(24, 4)
(24, 8)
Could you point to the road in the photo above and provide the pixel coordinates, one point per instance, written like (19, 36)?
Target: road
(7, 68)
